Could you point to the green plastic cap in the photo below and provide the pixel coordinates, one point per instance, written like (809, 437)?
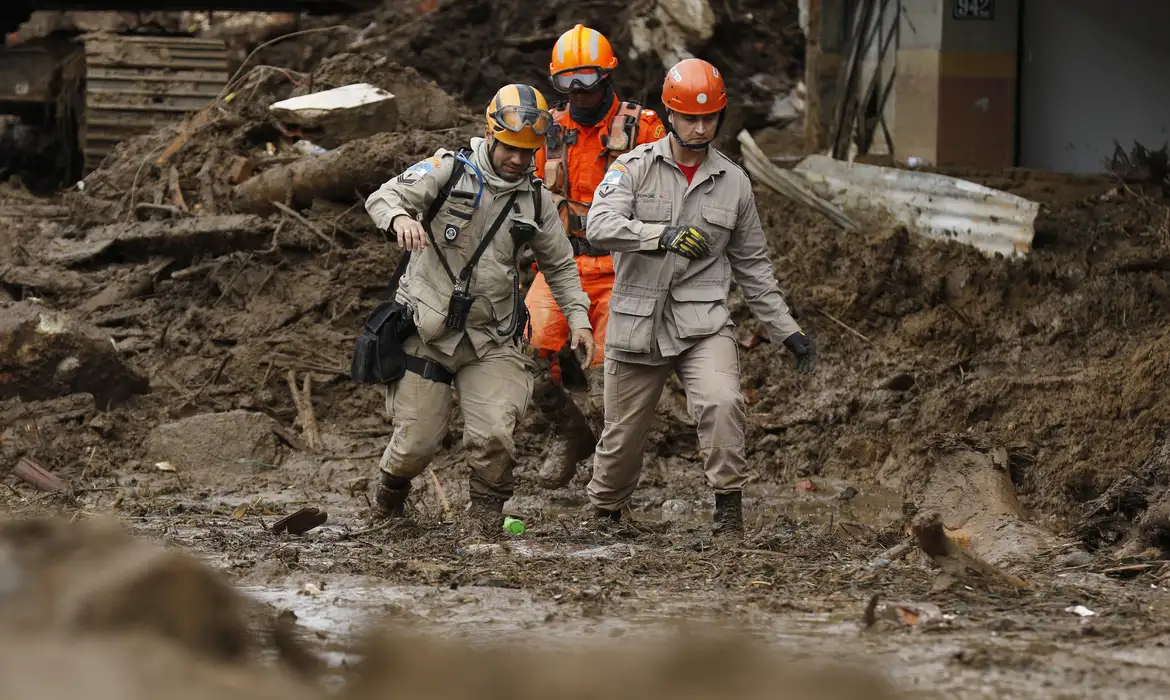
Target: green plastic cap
(514, 525)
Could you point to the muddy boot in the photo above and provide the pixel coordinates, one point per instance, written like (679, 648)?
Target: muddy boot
(390, 498)
(485, 518)
(728, 516)
(575, 438)
(607, 517)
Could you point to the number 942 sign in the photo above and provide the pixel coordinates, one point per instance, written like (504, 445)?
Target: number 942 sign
(974, 9)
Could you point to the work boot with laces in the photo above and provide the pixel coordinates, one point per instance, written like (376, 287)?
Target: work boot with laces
(485, 518)
(728, 515)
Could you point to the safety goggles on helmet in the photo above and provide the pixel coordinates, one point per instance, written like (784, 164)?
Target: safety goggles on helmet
(516, 118)
(579, 78)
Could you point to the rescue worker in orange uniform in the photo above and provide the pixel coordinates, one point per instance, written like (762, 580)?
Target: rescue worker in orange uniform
(592, 129)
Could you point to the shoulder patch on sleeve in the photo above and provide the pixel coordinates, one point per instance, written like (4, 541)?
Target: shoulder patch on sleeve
(614, 175)
(659, 131)
(416, 172)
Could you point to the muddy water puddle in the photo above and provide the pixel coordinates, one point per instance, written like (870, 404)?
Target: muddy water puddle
(955, 659)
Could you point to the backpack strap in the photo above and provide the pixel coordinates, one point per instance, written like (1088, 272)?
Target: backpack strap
(431, 213)
(623, 130)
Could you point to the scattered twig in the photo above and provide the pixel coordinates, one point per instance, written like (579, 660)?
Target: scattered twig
(163, 208)
(846, 326)
(308, 224)
(304, 404)
(214, 377)
(442, 494)
(232, 280)
(341, 458)
(354, 534)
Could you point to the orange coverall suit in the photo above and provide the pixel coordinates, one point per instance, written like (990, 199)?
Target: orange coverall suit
(586, 159)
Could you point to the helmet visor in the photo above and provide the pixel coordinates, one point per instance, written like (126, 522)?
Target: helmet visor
(578, 78)
(516, 118)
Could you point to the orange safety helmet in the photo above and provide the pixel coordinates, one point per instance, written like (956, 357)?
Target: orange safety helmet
(582, 56)
(694, 86)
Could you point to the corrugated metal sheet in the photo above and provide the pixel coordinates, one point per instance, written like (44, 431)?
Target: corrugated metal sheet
(937, 206)
(136, 83)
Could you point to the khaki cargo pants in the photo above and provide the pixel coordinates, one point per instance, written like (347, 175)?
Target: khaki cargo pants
(494, 391)
(709, 372)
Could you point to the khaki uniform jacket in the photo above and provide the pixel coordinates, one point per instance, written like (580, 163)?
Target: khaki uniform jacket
(425, 285)
(663, 303)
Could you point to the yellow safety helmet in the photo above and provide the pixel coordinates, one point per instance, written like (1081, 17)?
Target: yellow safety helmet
(518, 116)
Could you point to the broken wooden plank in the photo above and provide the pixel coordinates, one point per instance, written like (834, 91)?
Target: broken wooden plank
(301, 521)
(33, 472)
(43, 279)
(181, 239)
(51, 411)
(138, 283)
(953, 558)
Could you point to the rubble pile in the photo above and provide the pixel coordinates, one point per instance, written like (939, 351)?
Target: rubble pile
(175, 331)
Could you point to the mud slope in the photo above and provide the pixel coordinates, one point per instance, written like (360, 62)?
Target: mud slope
(1058, 358)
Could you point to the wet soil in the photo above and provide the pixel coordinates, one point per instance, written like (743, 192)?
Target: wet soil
(1058, 361)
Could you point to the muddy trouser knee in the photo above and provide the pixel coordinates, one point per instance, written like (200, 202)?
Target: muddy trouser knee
(709, 372)
(494, 392)
(631, 394)
(420, 409)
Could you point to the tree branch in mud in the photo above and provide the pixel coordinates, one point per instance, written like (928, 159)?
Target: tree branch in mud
(358, 166)
(304, 403)
(1136, 507)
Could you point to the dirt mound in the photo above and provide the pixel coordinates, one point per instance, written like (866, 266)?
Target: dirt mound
(421, 103)
(95, 579)
(470, 49)
(1057, 357)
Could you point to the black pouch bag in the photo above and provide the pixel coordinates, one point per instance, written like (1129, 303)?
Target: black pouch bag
(378, 355)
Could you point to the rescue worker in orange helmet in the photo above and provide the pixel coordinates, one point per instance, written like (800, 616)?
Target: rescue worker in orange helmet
(590, 131)
(681, 220)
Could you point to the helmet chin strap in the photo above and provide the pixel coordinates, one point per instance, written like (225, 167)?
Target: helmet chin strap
(697, 146)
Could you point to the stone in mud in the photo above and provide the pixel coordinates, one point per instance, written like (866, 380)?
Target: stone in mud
(215, 440)
(47, 354)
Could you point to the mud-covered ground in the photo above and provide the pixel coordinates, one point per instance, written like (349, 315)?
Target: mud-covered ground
(1058, 363)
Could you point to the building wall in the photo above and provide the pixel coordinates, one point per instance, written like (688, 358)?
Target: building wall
(1091, 72)
(977, 87)
(916, 94)
(956, 85)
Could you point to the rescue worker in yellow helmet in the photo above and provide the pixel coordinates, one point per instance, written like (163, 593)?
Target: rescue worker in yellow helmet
(465, 216)
(592, 128)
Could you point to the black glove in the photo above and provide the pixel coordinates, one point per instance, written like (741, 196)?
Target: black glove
(687, 241)
(801, 346)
